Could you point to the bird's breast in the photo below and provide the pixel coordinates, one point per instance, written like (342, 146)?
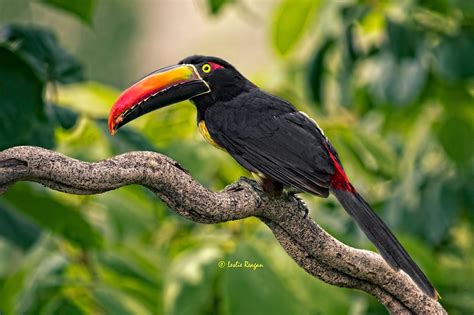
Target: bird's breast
(206, 135)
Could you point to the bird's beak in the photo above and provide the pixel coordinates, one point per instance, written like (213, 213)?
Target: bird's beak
(160, 88)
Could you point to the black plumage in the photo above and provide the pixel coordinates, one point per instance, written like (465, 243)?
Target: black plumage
(266, 135)
(269, 136)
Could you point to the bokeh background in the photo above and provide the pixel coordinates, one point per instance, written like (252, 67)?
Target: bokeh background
(390, 82)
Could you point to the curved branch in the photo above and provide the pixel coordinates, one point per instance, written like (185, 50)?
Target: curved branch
(306, 242)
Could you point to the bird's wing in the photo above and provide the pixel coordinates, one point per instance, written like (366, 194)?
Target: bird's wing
(275, 140)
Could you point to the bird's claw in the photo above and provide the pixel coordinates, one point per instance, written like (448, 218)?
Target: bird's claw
(290, 193)
(241, 184)
(245, 182)
(300, 204)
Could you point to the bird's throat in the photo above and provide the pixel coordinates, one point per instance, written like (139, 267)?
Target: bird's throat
(206, 135)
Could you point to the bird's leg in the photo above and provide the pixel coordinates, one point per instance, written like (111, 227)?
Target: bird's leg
(241, 183)
(246, 182)
(290, 193)
(301, 205)
(271, 187)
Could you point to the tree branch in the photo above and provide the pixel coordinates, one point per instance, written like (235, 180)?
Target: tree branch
(305, 241)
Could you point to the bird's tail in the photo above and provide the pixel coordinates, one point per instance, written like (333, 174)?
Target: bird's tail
(380, 235)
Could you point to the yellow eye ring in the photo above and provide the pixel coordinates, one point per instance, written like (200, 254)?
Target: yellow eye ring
(206, 68)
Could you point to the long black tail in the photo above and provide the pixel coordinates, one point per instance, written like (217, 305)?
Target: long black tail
(380, 235)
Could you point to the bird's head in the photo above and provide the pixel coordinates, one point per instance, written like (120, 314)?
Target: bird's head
(204, 80)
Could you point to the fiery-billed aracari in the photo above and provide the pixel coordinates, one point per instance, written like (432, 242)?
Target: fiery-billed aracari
(265, 134)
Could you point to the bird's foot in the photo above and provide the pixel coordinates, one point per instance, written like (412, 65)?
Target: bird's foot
(300, 204)
(292, 191)
(243, 183)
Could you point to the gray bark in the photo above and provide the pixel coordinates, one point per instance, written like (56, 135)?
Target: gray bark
(305, 241)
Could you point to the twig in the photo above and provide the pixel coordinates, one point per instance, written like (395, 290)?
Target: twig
(306, 242)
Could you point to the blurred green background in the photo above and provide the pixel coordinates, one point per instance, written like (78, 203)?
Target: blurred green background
(390, 82)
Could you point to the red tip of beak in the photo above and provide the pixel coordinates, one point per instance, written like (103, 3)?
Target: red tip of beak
(149, 86)
(111, 126)
(126, 100)
(115, 117)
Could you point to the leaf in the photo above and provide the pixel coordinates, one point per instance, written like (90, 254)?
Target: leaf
(191, 289)
(381, 153)
(83, 9)
(454, 57)
(467, 193)
(441, 6)
(373, 22)
(130, 213)
(317, 297)
(86, 142)
(66, 117)
(126, 268)
(467, 7)
(169, 124)
(23, 120)
(92, 99)
(353, 13)
(400, 75)
(316, 71)
(52, 214)
(397, 82)
(290, 22)
(215, 6)
(10, 290)
(437, 212)
(350, 49)
(33, 280)
(112, 301)
(129, 271)
(126, 140)
(455, 135)
(61, 305)
(403, 41)
(40, 48)
(17, 229)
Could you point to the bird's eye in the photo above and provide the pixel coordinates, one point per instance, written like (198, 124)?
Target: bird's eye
(206, 68)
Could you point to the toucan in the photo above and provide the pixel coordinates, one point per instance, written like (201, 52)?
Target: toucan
(281, 146)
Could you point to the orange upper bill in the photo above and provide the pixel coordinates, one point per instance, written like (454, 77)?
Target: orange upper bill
(154, 83)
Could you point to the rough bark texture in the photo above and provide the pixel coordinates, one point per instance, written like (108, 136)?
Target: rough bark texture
(306, 242)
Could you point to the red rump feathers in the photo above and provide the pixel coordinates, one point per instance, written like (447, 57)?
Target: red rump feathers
(339, 180)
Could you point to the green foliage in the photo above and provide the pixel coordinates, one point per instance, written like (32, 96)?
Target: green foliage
(263, 285)
(40, 48)
(291, 19)
(391, 85)
(316, 71)
(453, 130)
(397, 82)
(83, 9)
(452, 54)
(24, 119)
(17, 229)
(30, 58)
(60, 218)
(215, 6)
(65, 117)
